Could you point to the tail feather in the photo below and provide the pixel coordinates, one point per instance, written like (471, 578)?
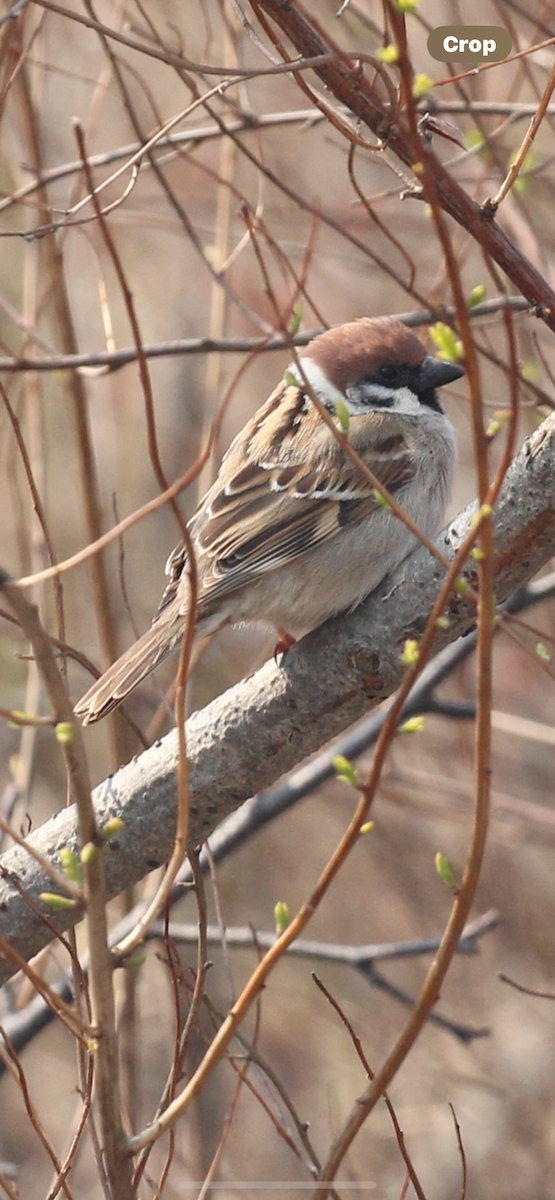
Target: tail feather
(134, 665)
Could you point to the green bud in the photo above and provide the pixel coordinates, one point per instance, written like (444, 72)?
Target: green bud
(343, 415)
(445, 871)
(296, 318)
(421, 85)
(410, 652)
(450, 349)
(70, 865)
(281, 916)
(344, 770)
(389, 54)
(134, 960)
(477, 295)
(112, 827)
(413, 725)
(19, 719)
(64, 733)
(474, 139)
(88, 852)
(57, 902)
(530, 370)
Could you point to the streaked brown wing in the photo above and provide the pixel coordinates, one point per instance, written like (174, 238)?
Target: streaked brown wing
(266, 516)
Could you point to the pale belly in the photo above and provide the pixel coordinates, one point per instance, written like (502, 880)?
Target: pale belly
(333, 577)
(337, 575)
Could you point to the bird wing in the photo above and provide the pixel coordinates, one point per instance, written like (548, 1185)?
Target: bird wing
(267, 508)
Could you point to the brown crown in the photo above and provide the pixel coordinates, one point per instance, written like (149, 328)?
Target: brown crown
(357, 350)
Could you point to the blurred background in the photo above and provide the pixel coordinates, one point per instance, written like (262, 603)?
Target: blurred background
(339, 241)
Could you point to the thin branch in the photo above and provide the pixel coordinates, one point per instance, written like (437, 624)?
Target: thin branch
(106, 1055)
(358, 956)
(180, 843)
(349, 86)
(357, 1044)
(527, 991)
(362, 958)
(103, 361)
(32, 1112)
(252, 123)
(492, 203)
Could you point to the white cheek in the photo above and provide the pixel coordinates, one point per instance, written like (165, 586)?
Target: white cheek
(395, 399)
(404, 400)
(400, 399)
(318, 380)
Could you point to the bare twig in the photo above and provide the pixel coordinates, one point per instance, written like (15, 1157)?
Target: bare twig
(520, 987)
(107, 1073)
(492, 203)
(350, 87)
(413, 1177)
(103, 361)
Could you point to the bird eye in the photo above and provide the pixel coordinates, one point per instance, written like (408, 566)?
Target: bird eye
(388, 373)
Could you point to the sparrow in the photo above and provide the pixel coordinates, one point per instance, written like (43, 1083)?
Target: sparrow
(291, 532)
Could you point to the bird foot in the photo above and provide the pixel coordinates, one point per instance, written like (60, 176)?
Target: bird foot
(284, 643)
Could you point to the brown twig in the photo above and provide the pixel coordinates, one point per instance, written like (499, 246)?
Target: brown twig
(357, 1044)
(107, 1073)
(492, 203)
(520, 987)
(350, 87)
(102, 361)
(32, 1112)
(461, 1149)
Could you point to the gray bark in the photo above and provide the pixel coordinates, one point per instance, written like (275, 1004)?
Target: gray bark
(264, 726)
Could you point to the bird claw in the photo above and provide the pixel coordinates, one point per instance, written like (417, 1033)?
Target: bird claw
(283, 645)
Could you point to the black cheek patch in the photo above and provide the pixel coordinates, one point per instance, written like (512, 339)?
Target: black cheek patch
(431, 400)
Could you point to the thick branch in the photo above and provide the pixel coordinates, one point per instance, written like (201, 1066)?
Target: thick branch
(265, 725)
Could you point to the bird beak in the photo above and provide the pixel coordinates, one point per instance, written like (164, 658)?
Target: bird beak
(435, 373)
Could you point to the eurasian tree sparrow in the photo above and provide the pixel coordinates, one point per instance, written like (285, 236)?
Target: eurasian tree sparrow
(291, 532)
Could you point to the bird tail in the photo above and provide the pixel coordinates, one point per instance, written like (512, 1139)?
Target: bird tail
(134, 665)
